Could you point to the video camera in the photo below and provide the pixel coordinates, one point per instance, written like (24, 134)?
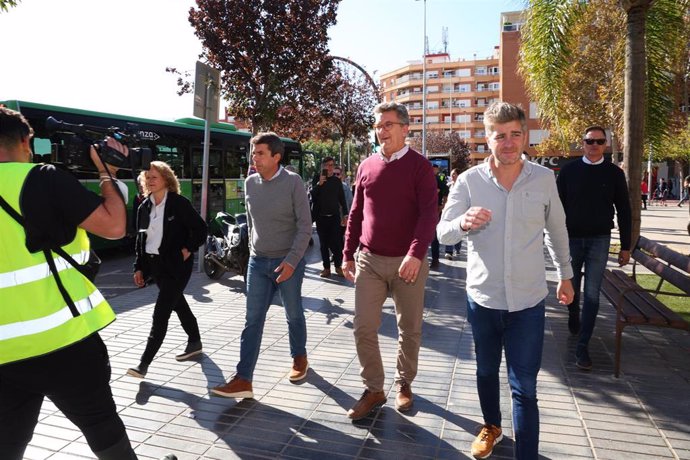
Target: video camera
(72, 150)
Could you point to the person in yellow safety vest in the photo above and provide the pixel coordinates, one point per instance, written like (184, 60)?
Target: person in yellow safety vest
(49, 345)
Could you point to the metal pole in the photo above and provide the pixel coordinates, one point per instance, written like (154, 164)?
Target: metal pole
(205, 160)
(424, 87)
(649, 173)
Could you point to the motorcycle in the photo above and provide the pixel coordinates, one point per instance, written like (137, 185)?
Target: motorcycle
(227, 246)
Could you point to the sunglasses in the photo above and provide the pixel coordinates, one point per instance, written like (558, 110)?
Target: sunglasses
(595, 141)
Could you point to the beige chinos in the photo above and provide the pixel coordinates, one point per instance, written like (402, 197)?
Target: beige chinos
(375, 277)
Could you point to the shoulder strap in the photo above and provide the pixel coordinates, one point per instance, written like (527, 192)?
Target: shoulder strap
(49, 258)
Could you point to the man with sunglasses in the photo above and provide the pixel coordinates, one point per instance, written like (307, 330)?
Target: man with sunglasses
(591, 190)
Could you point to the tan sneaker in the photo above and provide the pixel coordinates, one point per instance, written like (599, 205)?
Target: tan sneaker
(369, 401)
(236, 388)
(403, 400)
(325, 273)
(339, 272)
(300, 366)
(484, 443)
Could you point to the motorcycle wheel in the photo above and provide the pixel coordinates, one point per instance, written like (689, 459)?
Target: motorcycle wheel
(212, 269)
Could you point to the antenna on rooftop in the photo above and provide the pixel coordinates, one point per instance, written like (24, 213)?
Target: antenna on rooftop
(444, 39)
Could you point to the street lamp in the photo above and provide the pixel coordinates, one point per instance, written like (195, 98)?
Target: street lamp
(424, 52)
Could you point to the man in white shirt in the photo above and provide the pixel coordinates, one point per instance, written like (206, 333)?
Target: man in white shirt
(509, 208)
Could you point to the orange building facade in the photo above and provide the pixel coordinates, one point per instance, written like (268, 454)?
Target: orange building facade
(458, 91)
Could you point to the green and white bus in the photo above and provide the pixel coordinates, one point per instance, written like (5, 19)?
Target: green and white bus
(178, 143)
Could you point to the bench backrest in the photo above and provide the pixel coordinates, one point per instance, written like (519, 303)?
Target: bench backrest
(662, 262)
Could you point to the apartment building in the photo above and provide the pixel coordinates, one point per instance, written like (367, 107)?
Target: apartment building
(458, 91)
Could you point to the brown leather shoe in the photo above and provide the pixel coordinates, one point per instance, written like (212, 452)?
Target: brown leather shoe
(403, 400)
(236, 388)
(300, 366)
(325, 273)
(339, 272)
(369, 401)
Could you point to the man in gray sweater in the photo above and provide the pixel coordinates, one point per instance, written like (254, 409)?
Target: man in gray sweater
(279, 222)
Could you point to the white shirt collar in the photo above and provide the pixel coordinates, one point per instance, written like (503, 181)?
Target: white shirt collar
(396, 156)
(589, 162)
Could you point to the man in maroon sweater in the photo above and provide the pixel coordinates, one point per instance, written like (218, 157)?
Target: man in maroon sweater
(392, 221)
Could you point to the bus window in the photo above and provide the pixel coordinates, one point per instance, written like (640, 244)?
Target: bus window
(171, 156)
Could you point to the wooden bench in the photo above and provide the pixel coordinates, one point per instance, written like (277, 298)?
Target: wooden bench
(636, 306)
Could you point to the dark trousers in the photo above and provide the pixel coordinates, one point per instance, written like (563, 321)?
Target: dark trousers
(330, 237)
(170, 298)
(76, 379)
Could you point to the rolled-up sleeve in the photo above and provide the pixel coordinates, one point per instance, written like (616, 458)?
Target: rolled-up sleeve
(448, 229)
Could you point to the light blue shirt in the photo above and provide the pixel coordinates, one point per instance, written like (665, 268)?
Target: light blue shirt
(505, 261)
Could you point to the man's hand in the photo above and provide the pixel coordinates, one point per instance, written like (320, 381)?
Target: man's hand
(565, 292)
(139, 278)
(474, 218)
(623, 258)
(349, 270)
(113, 144)
(409, 269)
(343, 221)
(185, 254)
(286, 270)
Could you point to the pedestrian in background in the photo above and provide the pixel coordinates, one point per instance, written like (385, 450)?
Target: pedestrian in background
(279, 230)
(390, 226)
(442, 193)
(338, 172)
(169, 232)
(328, 199)
(592, 191)
(509, 209)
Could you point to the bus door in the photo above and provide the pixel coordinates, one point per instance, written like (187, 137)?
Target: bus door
(216, 183)
(235, 163)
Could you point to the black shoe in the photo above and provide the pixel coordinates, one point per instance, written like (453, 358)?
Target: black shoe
(139, 371)
(169, 457)
(583, 361)
(574, 320)
(434, 264)
(193, 349)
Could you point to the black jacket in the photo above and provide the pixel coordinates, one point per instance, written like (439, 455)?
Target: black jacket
(183, 227)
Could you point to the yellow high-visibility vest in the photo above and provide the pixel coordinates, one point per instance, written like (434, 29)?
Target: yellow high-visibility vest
(34, 317)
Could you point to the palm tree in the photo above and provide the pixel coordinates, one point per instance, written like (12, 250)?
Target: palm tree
(656, 34)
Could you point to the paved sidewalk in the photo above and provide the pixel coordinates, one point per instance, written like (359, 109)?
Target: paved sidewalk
(584, 415)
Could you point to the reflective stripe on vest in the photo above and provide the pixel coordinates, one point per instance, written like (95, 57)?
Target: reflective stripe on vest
(37, 272)
(34, 318)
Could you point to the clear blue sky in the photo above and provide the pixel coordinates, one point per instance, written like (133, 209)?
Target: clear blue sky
(110, 56)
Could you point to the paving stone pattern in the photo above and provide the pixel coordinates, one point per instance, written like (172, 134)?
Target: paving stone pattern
(584, 415)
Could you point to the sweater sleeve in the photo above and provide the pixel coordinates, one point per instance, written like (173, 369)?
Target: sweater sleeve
(300, 204)
(621, 201)
(354, 221)
(427, 202)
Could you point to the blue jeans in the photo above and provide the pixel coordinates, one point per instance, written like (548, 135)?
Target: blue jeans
(261, 286)
(593, 253)
(451, 247)
(522, 335)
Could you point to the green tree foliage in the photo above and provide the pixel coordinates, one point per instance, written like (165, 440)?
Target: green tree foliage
(6, 4)
(613, 62)
(272, 53)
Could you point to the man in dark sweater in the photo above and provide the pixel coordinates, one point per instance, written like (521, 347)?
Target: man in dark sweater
(328, 198)
(591, 189)
(390, 226)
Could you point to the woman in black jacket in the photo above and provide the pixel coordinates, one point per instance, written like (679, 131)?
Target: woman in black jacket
(169, 232)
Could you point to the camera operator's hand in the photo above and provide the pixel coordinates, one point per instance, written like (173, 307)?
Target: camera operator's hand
(100, 165)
